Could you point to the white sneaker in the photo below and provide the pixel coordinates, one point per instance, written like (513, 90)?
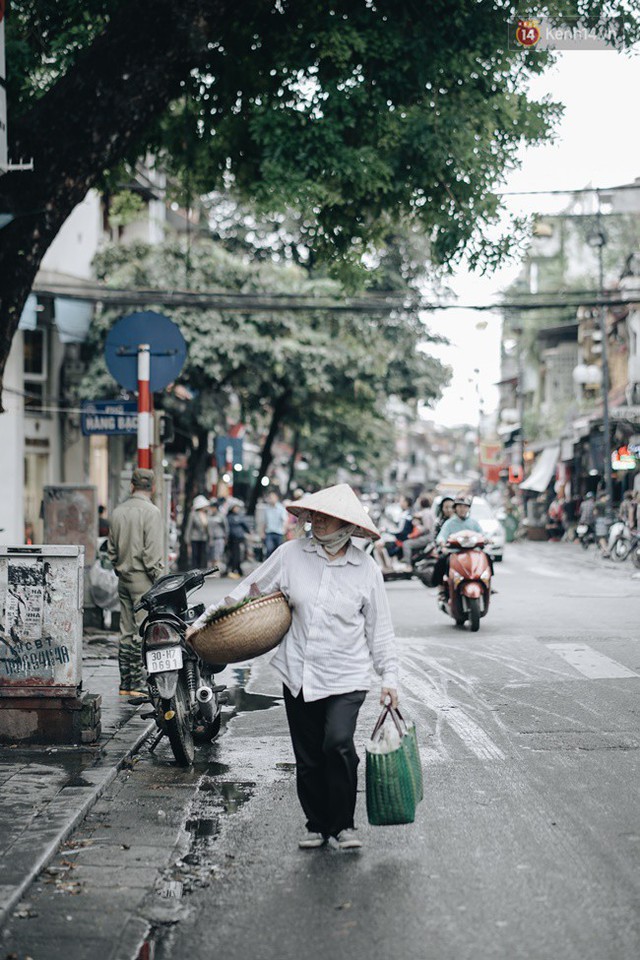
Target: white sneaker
(347, 840)
(311, 841)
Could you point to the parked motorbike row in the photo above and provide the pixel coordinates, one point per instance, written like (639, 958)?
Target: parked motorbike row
(467, 583)
(621, 541)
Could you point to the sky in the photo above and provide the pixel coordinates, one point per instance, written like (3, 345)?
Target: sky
(597, 143)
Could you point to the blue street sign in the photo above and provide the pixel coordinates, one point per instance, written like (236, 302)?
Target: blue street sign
(110, 417)
(168, 349)
(228, 450)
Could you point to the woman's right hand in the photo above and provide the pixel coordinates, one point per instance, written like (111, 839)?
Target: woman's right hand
(391, 694)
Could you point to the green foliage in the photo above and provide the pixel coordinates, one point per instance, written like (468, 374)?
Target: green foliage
(328, 375)
(124, 208)
(356, 115)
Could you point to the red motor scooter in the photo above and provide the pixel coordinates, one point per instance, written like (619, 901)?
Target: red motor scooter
(468, 582)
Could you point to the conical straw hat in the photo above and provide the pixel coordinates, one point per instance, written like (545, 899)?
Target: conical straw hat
(340, 502)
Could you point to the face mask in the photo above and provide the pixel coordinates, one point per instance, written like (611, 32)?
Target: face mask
(334, 542)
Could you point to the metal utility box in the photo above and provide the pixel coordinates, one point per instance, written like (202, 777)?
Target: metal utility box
(41, 600)
(70, 513)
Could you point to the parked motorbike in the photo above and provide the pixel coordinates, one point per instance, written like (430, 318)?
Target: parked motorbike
(621, 540)
(586, 534)
(422, 563)
(635, 551)
(468, 583)
(182, 690)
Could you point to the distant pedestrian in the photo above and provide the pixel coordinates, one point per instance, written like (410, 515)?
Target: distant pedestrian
(103, 521)
(274, 518)
(197, 532)
(218, 532)
(238, 530)
(290, 531)
(627, 510)
(136, 553)
(587, 510)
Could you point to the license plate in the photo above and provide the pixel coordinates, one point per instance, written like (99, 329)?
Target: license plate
(167, 658)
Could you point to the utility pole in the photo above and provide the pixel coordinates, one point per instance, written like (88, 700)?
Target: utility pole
(479, 440)
(520, 394)
(598, 239)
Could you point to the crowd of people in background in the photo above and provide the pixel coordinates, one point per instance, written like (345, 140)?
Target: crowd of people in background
(220, 533)
(565, 516)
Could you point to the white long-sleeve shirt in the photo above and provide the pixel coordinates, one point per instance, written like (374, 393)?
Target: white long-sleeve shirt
(341, 622)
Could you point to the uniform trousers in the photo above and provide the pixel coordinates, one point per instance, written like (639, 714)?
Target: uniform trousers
(131, 586)
(326, 760)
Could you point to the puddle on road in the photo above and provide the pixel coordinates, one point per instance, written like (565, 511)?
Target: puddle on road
(213, 801)
(215, 798)
(78, 781)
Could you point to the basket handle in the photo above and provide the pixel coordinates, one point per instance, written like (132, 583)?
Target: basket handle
(396, 716)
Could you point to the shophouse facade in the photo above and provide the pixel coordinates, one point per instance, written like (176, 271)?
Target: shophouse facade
(559, 355)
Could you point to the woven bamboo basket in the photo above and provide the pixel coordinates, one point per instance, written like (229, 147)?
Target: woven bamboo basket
(248, 632)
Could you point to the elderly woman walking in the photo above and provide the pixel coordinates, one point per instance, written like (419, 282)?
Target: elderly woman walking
(341, 627)
(197, 531)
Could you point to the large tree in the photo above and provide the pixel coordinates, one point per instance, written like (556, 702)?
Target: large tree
(354, 111)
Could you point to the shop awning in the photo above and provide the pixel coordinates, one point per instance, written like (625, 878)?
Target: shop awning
(508, 429)
(543, 470)
(73, 319)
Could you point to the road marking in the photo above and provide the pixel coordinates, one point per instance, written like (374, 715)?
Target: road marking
(545, 572)
(471, 734)
(590, 663)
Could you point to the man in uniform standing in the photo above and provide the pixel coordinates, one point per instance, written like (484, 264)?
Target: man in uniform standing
(135, 550)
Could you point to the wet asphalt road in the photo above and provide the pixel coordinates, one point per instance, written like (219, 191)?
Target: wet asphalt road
(527, 844)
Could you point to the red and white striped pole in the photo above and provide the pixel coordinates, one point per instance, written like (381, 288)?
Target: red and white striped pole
(145, 417)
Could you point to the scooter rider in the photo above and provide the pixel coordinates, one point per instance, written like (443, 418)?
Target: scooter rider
(460, 520)
(445, 510)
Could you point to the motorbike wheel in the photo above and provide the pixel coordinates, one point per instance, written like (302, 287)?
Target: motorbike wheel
(178, 726)
(585, 541)
(635, 556)
(474, 614)
(620, 549)
(426, 577)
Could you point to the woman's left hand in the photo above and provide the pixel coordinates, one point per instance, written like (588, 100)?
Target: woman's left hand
(390, 692)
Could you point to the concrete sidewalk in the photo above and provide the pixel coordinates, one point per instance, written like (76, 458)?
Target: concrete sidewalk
(45, 792)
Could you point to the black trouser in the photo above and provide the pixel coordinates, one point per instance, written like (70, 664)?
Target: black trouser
(441, 568)
(199, 554)
(326, 759)
(235, 556)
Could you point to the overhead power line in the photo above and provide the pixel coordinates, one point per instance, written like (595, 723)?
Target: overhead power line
(566, 193)
(283, 303)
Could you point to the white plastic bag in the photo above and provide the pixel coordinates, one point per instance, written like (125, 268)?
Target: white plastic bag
(387, 742)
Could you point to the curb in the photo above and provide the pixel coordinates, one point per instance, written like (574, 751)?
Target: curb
(63, 814)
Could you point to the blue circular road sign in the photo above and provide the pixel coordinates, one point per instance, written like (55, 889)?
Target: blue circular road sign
(168, 349)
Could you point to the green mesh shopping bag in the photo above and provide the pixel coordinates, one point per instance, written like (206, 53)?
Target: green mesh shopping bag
(393, 776)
